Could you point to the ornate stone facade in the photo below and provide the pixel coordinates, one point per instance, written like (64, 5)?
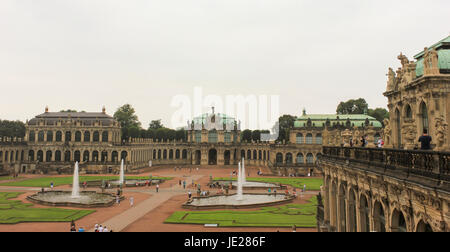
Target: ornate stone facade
(364, 196)
(418, 98)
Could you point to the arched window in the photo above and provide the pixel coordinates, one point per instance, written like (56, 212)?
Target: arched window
(164, 154)
(300, 159)
(309, 158)
(115, 156)
(58, 156)
(279, 158)
(40, 156)
(408, 112)
(105, 136)
(289, 158)
(104, 156)
(212, 136)
(198, 137)
(177, 154)
(154, 154)
(299, 138)
(249, 154)
(48, 156)
(78, 136)
(184, 154)
(398, 222)
(58, 136)
(309, 138)
(67, 156)
(364, 212)
(170, 154)
(319, 138)
(379, 217)
(227, 137)
(259, 154)
(264, 155)
(124, 155)
(342, 210)
(31, 155)
(159, 154)
(77, 156)
(41, 136)
(95, 156)
(85, 155)
(87, 136)
(243, 154)
(254, 155)
(68, 136)
(96, 137)
(49, 136)
(424, 114)
(398, 126)
(423, 227)
(32, 136)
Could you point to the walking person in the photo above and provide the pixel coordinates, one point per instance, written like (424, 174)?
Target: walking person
(157, 187)
(100, 229)
(189, 194)
(131, 201)
(184, 184)
(51, 185)
(117, 200)
(304, 187)
(425, 140)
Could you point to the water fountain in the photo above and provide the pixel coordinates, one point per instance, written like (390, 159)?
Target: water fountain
(74, 198)
(76, 183)
(238, 200)
(121, 176)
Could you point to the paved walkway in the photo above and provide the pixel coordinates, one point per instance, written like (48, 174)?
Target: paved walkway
(122, 220)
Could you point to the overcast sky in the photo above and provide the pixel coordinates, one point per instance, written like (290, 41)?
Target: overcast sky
(83, 54)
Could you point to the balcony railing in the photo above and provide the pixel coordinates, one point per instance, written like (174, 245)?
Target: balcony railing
(431, 164)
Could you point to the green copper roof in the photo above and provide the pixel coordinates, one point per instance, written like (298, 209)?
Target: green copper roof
(319, 120)
(219, 118)
(443, 50)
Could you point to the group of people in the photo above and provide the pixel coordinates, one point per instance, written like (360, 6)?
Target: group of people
(97, 228)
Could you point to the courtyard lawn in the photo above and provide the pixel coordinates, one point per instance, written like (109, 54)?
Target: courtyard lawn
(311, 183)
(6, 178)
(15, 211)
(57, 181)
(301, 215)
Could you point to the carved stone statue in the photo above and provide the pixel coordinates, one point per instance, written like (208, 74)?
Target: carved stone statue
(391, 80)
(430, 62)
(387, 132)
(403, 59)
(409, 131)
(441, 129)
(346, 134)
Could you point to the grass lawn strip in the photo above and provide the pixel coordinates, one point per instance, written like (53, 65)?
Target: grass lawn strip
(301, 215)
(57, 181)
(15, 211)
(311, 183)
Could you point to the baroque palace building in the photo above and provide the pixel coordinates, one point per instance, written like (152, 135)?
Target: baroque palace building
(55, 140)
(396, 188)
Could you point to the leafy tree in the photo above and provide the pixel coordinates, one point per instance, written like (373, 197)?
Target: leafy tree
(352, 106)
(256, 135)
(285, 122)
(156, 124)
(12, 128)
(128, 120)
(180, 134)
(379, 113)
(246, 135)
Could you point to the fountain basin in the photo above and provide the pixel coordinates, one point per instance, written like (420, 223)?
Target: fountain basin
(253, 200)
(252, 185)
(115, 183)
(87, 199)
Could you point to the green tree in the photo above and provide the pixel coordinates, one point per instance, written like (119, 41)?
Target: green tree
(256, 135)
(12, 128)
(156, 124)
(246, 135)
(379, 113)
(352, 106)
(286, 123)
(128, 120)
